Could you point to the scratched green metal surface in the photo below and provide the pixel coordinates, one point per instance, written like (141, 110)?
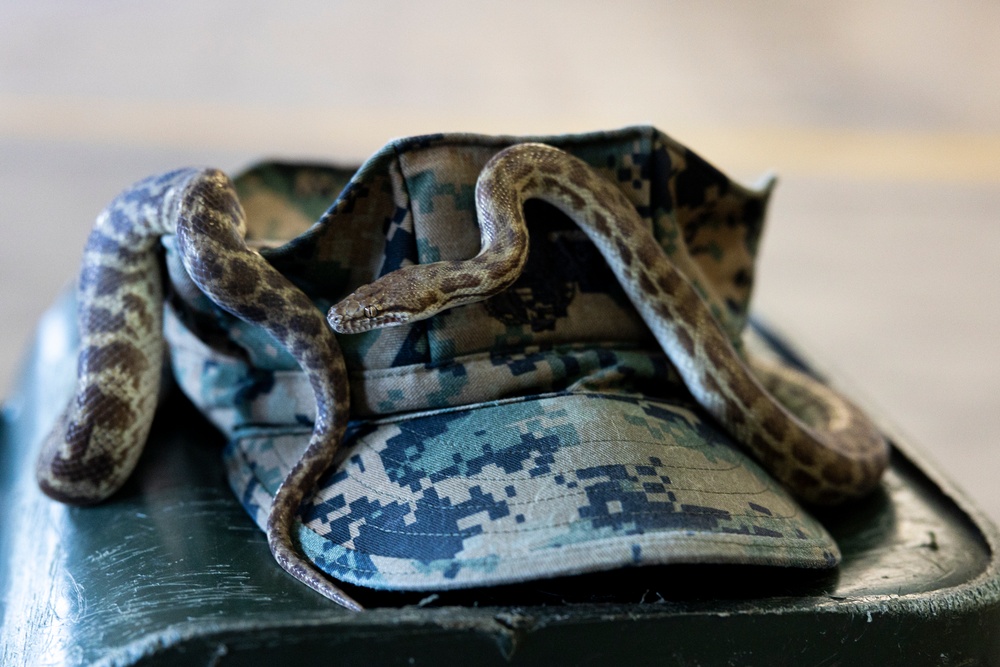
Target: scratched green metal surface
(172, 571)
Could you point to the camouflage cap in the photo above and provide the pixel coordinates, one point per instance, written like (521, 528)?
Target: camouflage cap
(536, 434)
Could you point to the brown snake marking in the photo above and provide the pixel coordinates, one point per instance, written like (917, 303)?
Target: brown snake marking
(830, 454)
(98, 439)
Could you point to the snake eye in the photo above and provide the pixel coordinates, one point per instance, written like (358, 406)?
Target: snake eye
(371, 312)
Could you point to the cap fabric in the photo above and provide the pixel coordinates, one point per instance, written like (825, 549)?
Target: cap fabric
(537, 434)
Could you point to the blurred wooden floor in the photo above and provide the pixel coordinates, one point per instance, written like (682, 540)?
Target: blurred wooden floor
(882, 118)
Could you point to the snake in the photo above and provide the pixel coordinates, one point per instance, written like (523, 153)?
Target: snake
(97, 440)
(826, 453)
(814, 441)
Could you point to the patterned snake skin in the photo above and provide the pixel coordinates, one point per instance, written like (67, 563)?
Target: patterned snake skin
(826, 454)
(97, 441)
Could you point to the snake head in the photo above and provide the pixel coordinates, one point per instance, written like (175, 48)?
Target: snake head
(364, 309)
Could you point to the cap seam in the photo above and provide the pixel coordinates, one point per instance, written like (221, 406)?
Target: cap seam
(699, 538)
(563, 524)
(389, 371)
(383, 494)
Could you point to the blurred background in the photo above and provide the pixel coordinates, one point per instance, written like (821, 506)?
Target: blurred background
(881, 257)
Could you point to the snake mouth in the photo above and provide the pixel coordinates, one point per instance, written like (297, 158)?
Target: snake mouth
(358, 318)
(353, 315)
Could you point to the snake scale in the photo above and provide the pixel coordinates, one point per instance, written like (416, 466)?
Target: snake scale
(841, 456)
(97, 441)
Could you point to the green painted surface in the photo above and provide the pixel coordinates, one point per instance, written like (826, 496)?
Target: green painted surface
(172, 571)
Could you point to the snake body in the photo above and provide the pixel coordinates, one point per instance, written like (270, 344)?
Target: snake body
(97, 441)
(99, 437)
(840, 455)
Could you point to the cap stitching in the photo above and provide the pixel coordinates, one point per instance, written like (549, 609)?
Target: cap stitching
(817, 545)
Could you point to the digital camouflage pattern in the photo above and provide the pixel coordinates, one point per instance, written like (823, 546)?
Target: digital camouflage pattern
(538, 433)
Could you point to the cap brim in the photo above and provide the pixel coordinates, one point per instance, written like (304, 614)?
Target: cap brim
(531, 488)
